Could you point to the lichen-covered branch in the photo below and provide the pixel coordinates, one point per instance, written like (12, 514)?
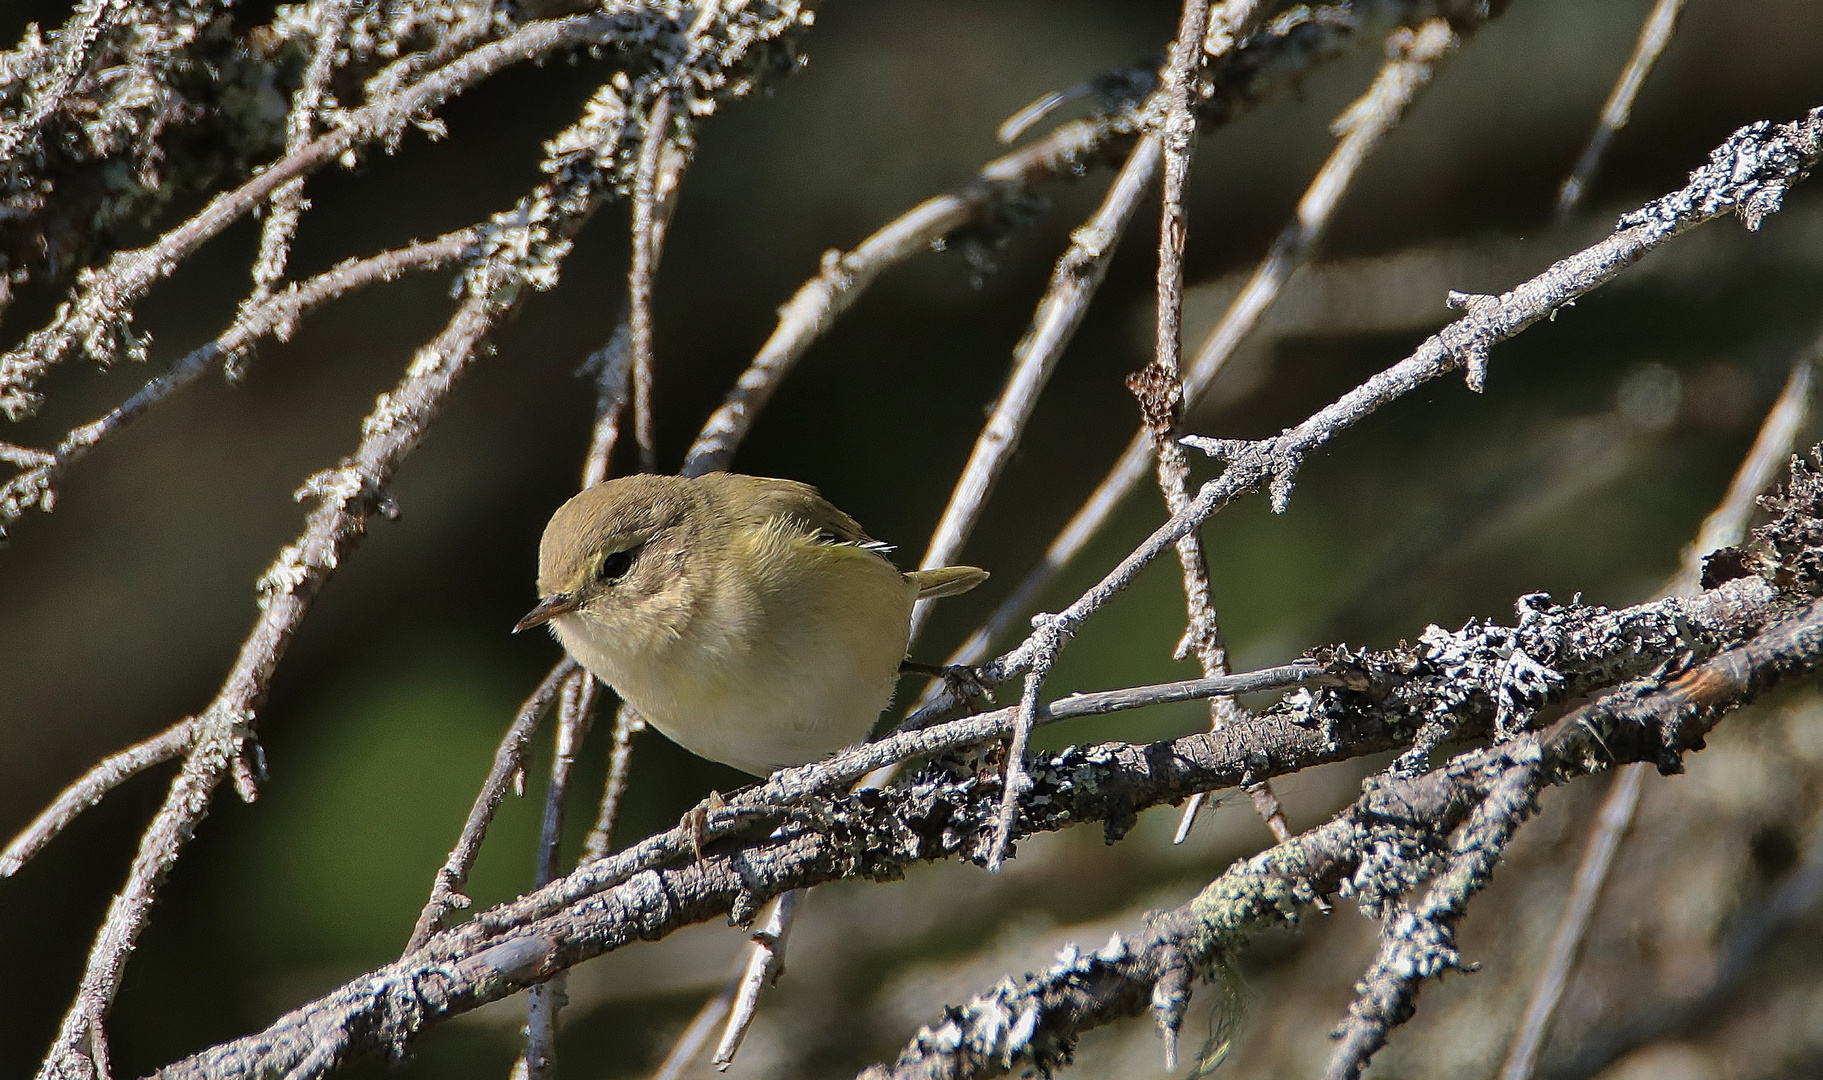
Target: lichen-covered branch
(1747, 175)
(800, 828)
(1401, 831)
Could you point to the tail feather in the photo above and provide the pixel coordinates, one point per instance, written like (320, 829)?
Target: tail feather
(946, 580)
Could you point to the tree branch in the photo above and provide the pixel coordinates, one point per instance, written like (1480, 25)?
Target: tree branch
(1653, 37)
(1375, 850)
(799, 829)
(275, 315)
(1270, 61)
(520, 252)
(90, 789)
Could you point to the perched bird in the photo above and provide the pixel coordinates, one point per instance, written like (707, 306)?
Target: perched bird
(746, 618)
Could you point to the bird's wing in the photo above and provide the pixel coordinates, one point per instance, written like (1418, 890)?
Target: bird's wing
(769, 498)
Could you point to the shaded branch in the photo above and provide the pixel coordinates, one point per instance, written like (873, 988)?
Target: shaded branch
(1653, 37)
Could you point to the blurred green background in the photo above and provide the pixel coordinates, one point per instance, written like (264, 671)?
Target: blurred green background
(1601, 440)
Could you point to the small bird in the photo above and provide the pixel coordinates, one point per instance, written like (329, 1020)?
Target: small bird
(745, 617)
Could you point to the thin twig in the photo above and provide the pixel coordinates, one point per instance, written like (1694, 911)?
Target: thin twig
(1611, 825)
(1160, 391)
(90, 789)
(600, 841)
(696, 1034)
(575, 711)
(1078, 274)
(1653, 37)
(765, 963)
(639, 278)
(1725, 526)
(330, 17)
(1790, 906)
(1174, 134)
(509, 761)
(1411, 59)
(277, 315)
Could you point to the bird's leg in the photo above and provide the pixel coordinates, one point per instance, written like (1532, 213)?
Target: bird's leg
(962, 681)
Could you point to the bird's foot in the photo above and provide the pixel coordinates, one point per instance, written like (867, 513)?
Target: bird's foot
(696, 822)
(962, 681)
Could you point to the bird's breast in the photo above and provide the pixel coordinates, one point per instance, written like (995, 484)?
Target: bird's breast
(783, 673)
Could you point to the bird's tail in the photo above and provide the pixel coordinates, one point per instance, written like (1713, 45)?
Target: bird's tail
(946, 580)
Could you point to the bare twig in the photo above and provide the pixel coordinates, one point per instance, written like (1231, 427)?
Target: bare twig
(1611, 825)
(1653, 37)
(509, 760)
(1725, 526)
(1411, 59)
(1790, 906)
(765, 963)
(627, 724)
(1074, 281)
(1175, 132)
(90, 789)
(276, 315)
(639, 277)
(575, 710)
(696, 1034)
(1160, 391)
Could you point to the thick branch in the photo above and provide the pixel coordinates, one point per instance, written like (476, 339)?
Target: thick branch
(1035, 1022)
(761, 846)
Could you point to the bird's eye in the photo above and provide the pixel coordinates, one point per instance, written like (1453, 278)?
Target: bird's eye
(616, 565)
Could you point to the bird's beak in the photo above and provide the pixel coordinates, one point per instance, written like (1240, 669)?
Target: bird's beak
(548, 608)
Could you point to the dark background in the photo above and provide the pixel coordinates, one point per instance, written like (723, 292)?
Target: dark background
(1602, 439)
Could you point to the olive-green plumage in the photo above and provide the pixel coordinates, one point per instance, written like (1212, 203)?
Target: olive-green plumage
(745, 617)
